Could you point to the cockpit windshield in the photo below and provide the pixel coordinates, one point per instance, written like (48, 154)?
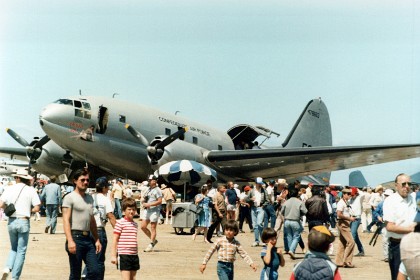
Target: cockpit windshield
(82, 109)
(64, 102)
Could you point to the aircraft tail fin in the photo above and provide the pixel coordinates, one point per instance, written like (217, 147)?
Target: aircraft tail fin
(312, 129)
(357, 179)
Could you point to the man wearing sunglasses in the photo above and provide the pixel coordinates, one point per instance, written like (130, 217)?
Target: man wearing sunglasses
(80, 228)
(399, 211)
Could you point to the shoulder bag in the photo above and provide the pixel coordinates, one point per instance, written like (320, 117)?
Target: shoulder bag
(10, 208)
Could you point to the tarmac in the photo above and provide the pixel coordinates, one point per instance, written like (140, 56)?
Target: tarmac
(175, 256)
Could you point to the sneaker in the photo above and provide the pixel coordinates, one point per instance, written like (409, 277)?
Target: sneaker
(360, 254)
(154, 243)
(5, 273)
(241, 231)
(46, 229)
(386, 260)
(149, 248)
(292, 255)
(255, 244)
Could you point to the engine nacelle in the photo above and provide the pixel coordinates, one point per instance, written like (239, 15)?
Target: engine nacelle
(179, 150)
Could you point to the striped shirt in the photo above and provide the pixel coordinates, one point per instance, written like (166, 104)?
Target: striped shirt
(226, 251)
(127, 230)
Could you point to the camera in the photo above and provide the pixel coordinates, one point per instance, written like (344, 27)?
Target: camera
(145, 198)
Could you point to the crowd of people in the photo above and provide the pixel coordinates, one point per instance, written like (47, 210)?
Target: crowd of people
(268, 207)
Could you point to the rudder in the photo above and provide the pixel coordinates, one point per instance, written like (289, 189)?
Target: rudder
(312, 129)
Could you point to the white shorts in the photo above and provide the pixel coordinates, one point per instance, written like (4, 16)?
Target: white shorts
(151, 214)
(231, 207)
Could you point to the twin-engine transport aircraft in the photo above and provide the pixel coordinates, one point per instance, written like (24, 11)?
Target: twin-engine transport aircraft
(131, 141)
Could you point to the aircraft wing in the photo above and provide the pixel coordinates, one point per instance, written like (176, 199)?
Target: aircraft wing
(13, 153)
(295, 162)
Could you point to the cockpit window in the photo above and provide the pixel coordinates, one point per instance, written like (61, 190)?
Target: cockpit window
(77, 104)
(86, 105)
(64, 102)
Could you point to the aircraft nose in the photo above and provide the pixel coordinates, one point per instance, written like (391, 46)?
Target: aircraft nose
(53, 113)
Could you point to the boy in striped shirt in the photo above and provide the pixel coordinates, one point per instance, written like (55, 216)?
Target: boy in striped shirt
(125, 242)
(226, 247)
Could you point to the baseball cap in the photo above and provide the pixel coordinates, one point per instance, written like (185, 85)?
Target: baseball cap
(247, 188)
(353, 191)
(102, 182)
(346, 191)
(152, 177)
(259, 180)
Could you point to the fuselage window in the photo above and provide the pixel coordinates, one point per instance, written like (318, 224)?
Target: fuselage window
(220, 147)
(167, 131)
(195, 140)
(122, 119)
(64, 102)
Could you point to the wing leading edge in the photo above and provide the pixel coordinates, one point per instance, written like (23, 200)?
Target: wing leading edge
(296, 162)
(13, 153)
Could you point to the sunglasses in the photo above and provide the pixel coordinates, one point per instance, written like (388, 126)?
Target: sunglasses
(406, 184)
(84, 180)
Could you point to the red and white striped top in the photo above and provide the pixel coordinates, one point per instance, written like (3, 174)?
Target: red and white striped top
(127, 230)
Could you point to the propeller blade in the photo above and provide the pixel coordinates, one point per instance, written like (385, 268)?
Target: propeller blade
(17, 138)
(137, 135)
(171, 138)
(42, 142)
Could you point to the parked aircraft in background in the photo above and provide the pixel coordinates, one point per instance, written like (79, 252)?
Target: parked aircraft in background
(8, 168)
(128, 140)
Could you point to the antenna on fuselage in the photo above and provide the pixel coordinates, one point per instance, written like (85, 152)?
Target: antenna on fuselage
(176, 112)
(80, 92)
(115, 94)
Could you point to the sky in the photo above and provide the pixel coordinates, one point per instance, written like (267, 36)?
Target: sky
(222, 63)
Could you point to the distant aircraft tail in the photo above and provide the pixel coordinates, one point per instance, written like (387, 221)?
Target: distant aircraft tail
(356, 179)
(312, 129)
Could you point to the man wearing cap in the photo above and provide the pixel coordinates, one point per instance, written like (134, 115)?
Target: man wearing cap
(151, 201)
(356, 212)
(259, 199)
(51, 195)
(269, 211)
(280, 200)
(345, 249)
(378, 215)
(26, 201)
(245, 209)
(82, 240)
(399, 213)
(103, 213)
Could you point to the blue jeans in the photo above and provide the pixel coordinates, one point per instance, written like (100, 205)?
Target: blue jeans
(19, 236)
(101, 256)
(354, 226)
(51, 212)
(292, 230)
(257, 216)
(270, 213)
(394, 258)
(117, 210)
(85, 251)
(225, 270)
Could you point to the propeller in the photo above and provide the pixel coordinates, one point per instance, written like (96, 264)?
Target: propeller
(33, 150)
(137, 135)
(17, 138)
(156, 151)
